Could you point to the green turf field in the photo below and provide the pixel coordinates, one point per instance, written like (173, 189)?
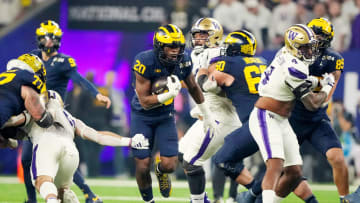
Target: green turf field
(125, 191)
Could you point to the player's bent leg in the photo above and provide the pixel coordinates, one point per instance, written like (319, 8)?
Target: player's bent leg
(26, 163)
(335, 156)
(163, 167)
(46, 187)
(143, 178)
(274, 167)
(304, 192)
(196, 180)
(289, 180)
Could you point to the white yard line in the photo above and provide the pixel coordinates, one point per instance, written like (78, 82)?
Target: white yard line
(176, 184)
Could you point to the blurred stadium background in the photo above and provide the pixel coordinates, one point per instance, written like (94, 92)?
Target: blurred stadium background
(104, 36)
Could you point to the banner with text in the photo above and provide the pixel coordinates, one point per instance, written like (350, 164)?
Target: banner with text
(124, 15)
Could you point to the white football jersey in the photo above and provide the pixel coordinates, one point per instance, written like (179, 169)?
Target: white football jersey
(60, 115)
(214, 101)
(284, 74)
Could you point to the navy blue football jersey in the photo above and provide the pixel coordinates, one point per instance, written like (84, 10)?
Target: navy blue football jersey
(328, 62)
(244, 90)
(10, 91)
(59, 70)
(147, 65)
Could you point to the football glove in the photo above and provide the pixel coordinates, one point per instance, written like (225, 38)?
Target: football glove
(210, 85)
(314, 81)
(174, 86)
(209, 122)
(139, 142)
(327, 83)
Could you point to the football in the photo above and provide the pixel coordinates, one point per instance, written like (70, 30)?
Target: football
(159, 86)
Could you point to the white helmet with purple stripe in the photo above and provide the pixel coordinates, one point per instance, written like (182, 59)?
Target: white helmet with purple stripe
(300, 41)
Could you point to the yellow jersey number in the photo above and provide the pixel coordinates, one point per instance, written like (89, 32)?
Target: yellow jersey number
(72, 62)
(140, 68)
(339, 64)
(253, 81)
(6, 77)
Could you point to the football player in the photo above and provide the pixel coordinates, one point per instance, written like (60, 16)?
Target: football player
(20, 86)
(60, 69)
(284, 81)
(153, 115)
(55, 157)
(315, 126)
(196, 147)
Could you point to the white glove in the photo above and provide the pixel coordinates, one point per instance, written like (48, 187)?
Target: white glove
(139, 142)
(314, 81)
(328, 79)
(327, 83)
(174, 86)
(209, 122)
(210, 85)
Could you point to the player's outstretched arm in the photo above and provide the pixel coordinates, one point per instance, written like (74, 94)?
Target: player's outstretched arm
(35, 107)
(109, 138)
(84, 83)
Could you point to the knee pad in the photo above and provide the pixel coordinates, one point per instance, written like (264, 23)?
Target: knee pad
(70, 197)
(192, 169)
(232, 170)
(47, 188)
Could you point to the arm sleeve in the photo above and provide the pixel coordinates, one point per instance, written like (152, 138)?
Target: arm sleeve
(84, 83)
(89, 133)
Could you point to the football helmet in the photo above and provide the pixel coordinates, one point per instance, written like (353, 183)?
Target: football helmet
(36, 64)
(240, 42)
(48, 30)
(324, 31)
(169, 36)
(209, 26)
(300, 42)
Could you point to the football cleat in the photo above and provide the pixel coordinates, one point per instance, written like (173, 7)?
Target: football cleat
(95, 199)
(245, 197)
(353, 197)
(164, 181)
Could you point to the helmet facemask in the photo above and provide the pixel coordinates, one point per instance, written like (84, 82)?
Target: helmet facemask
(208, 26)
(45, 39)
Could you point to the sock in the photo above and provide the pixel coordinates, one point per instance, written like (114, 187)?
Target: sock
(196, 183)
(218, 183)
(80, 182)
(47, 188)
(233, 189)
(52, 200)
(248, 186)
(198, 198)
(268, 196)
(278, 199)
(256, 188)
(311, 199)
(147, 194)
